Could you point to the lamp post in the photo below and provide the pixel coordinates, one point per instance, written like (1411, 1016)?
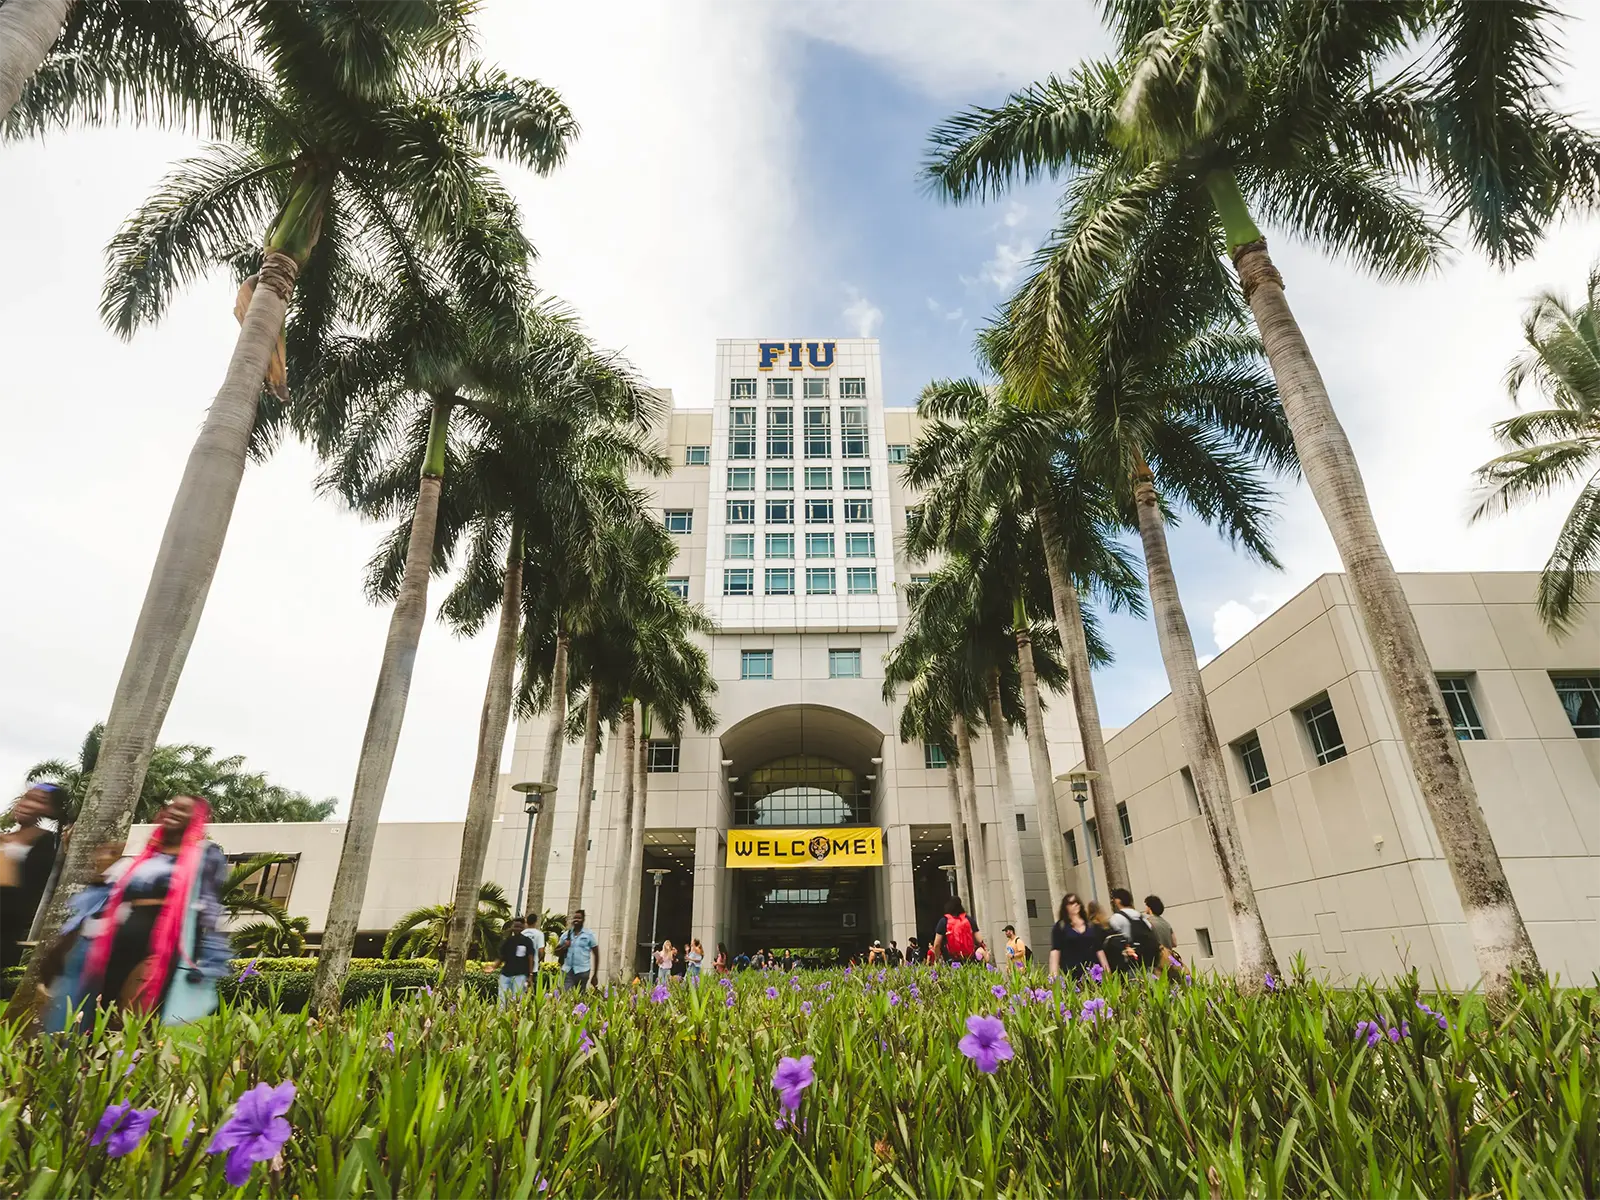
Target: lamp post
(655, 910)
(1079, 782)
(533, 793)
(949, 870)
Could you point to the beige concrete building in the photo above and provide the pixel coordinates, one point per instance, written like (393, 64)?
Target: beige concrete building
(1344, 858)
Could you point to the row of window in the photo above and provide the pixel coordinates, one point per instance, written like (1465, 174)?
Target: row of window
(700, 456)
(842, 664)
(816, 432)
(1093, 829)
(815, 388)
(818, 545)
(820, 581)
(856, 510)
(817, 479)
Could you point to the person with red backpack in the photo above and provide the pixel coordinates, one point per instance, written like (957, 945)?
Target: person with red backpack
(956, 937)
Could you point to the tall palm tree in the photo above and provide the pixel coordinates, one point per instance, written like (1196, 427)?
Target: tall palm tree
(1551, 447)
(424, 932)
(340, 158)
(980, 451)
(1318, 117)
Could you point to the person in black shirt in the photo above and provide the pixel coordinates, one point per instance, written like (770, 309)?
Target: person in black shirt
(516, 960)
(1076, 943)
(895, 957)
(27, 856)
(955, 911)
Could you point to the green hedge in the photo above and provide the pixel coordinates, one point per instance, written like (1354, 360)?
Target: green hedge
(292, 978)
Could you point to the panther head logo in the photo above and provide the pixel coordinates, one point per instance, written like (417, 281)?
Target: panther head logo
(819, 847)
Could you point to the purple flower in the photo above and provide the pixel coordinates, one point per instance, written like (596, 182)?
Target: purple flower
(1042, 995)
(728, 1003)
(427, 989)
(772, 993)
(805, 1007)
(791, 1078)
(1096, 1010)
(894, 998)
(250, 971)
(388, 1041)
(1097, 972)
(1371, 1030)
(985, 1043)
(256, 1131)
(659, 994)
(1272, 984)
(585, 1043)
(882, 975)
(999, 992)
(916, 992)
(122, 1127)
(580, 1009)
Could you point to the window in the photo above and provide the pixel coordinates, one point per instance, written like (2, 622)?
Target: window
(1580, 696)
(780, 389)
(1322, 727)
(679, 520)
(780, 512)
(860, 545)
(738, 581)
(933, 758)
(696, 456)
(1072, 849)
(1190, 790)
(921, 581)
(755, 664)
(739, 545)
(819, 581)
(661, 757)
(780, 581)
(273, 882)
(913, 515)
(857, 479)
(1463, 711)
(780, 545)
(819, 479)
(1022, 823)
(741, 512)
(815, 389)
(819, 545)
(897, 454)
(857, 512)
(1125, 823)
(1203, 936)
(780, 429)
(1253, 762)
(797, 896)
(861, 581)
(780, 479)
(819, 435)
(819, 512)
(741, 389)
(742, 432)
(1033, 907)
(844, 664)
(852, 389)
(741, 479)
(678, 585)
(853, 432)
(1094, 836)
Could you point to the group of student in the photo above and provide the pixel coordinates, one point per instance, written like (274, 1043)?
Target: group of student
(523, 949)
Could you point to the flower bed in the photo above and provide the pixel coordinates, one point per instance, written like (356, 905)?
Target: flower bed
(913, 1082)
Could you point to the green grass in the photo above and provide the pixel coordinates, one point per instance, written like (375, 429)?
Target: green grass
(1197, 1091)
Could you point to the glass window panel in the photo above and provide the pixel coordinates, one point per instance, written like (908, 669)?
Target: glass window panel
(780, 581)
(780, 479)
(740, 545)
(738, 581)
(819, 512)
(852, 389)
(819, 433)
(780, 429)
(932, 756)
(678, 585)
(741, 389)
(1463, 708)
(860, 545)
(1252, 761)
(820, 581)
(862, 581)
(815, 389)
(1322, 727)
(844, 664)
(755, 664)
(696, 456)
(780, 545)
(857, 479)
(897, 454)
(741, 479)
(858, 511)
(819, 479)
(661, 757)
(741, 512)
(679, 520)
(1125, 823)
(742, 432)
(780, 512)
(853, 432)
(1580, 700)
(780, 389)
(819, 545)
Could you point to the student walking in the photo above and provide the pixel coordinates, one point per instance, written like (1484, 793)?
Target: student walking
(665, 957)
(1165, 938)
(1016, 951)
(721, 962)
(695, 956)
(1133, 940)
(956, 937)
(1076, 942)
(27, 855)
(516, 959)
(576, 950)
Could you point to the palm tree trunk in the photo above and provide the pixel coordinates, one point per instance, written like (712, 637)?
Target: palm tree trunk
(382, 737)
(580, 841)
(1253, 950)
(555, 743)
(1006, 802)
(958, 832)
(191, 546)
(1075, 645)
(977, 860)
(636, 839)
(486, 769)
(622, 853)
(1044, 786)
(1494, 922)
(28, 28)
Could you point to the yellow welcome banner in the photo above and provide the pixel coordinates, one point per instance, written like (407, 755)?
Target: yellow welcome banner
(854, 846)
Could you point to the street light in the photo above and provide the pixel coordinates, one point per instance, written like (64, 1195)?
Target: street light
(1079, 782)
(533, 793)
(949, 870)
(655, 910)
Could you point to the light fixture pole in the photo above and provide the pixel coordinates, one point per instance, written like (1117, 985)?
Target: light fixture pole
(1079, 782)
(949, 870)
(533, 793)
(655, 910)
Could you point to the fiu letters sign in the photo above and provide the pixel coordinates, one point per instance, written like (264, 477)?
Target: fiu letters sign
(818, 354)
(850, 846)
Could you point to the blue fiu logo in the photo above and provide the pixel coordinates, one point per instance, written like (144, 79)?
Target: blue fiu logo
(820, 355)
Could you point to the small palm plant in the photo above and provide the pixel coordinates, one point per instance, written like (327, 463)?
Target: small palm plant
(1551, 447)
(424, 932)
(240, 897)
(271, 939)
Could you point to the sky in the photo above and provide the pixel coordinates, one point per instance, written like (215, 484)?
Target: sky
(742, 168)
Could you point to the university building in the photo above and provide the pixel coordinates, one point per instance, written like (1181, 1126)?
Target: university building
(800, 820)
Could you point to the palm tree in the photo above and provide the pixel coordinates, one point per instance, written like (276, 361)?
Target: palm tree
(340, 158)
(1318, 117)
(271, 939)
(980, 451)
(424, 932)
(1551, 447)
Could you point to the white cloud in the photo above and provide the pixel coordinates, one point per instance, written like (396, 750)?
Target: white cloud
(1004, 267)
(862, 314)
(1231, 622)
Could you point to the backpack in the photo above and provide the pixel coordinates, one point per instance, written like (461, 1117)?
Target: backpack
(1143, 939)
(958, 941)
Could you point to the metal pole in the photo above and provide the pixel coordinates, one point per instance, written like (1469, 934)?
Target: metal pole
(1088, 850)
(655, 911)
(522, 876)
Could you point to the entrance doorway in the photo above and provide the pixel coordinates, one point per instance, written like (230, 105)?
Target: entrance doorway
(829, 915)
